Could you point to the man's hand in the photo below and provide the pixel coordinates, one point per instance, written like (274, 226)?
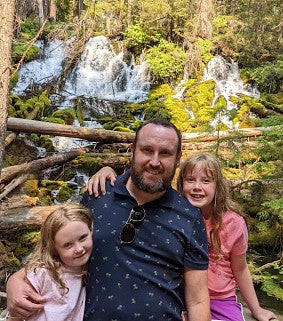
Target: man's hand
(22, 300)
(99, 179)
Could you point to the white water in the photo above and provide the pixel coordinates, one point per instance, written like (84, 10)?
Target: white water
(43, 70)
(100, 73)
(228, 83)
(101, 76)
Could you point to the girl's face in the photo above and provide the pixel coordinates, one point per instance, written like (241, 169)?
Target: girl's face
(199, 189)
(73, 243)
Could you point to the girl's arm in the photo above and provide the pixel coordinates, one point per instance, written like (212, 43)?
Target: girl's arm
(244, 280)
(98, 180)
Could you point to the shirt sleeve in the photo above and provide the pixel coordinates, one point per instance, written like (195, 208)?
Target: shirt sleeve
(240, 231)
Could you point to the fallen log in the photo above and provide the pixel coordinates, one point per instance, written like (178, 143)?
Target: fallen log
(110, 136)
(91, 134)
(25, 218)
(9, 173)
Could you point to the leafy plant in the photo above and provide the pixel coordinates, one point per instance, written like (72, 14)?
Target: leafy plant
(268, 77)
(166, 61)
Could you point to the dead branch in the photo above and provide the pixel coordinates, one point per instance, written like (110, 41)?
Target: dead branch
(12, 185)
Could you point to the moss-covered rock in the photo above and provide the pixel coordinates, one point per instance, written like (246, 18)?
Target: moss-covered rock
(67, 114)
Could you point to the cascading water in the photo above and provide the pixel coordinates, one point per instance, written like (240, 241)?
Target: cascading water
(105, 75)
(228, 83)
(45, 69)
(101, 79)
(100, 73)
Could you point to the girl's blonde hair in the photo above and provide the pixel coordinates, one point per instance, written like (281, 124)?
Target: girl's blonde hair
(222, 198)
(45, 254)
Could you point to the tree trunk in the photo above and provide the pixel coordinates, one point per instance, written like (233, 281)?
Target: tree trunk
(7, 9)
(52, 10)
(40, 12)
(99, 135)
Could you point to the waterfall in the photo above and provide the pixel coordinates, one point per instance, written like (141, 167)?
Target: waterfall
(45, 69)
(101, 79)
(228, 83)
(227, 80)
(101, 73)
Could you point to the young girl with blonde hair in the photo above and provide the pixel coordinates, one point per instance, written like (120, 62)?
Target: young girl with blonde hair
(57, 268)
(201, 181)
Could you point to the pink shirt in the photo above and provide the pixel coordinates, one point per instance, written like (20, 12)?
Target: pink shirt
(69, 307)
(234, 239)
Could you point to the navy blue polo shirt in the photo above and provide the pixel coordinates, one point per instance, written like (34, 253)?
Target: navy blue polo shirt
(142, 280)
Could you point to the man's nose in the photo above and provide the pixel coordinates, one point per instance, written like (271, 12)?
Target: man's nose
(155, 160)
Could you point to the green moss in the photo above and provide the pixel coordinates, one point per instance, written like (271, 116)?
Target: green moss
(198, 99)
(88, 163)
(20, 48)
(205, 46)
(30, 187)
(79, 112)
(53, 185)
(44, 196)
(122, 129)
(111, 125)
(43, 141)
(25, 243)
(54, 120)
(14, 80)
(22, 108)
(64, 194)
(67, 114)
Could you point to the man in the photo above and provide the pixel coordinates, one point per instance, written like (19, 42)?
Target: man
(150, 247)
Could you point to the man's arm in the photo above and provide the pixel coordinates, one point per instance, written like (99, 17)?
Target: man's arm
(99, 179)
(22, 300)
(196, 295)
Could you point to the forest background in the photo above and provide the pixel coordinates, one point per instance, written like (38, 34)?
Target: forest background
(175, 38)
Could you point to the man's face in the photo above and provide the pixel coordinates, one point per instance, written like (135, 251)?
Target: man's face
(155, 158)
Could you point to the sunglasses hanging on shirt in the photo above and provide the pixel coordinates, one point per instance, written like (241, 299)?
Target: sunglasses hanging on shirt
(128, 233)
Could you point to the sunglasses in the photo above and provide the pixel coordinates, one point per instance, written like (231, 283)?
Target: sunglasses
(128, 233)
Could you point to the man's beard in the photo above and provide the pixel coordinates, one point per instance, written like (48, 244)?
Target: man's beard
(159, 185)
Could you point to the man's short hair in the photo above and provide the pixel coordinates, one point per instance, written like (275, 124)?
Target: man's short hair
(164, 123)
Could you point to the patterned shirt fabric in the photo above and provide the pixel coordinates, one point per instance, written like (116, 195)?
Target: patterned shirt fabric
(142, 280)
(234, 239)
(58, 307)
